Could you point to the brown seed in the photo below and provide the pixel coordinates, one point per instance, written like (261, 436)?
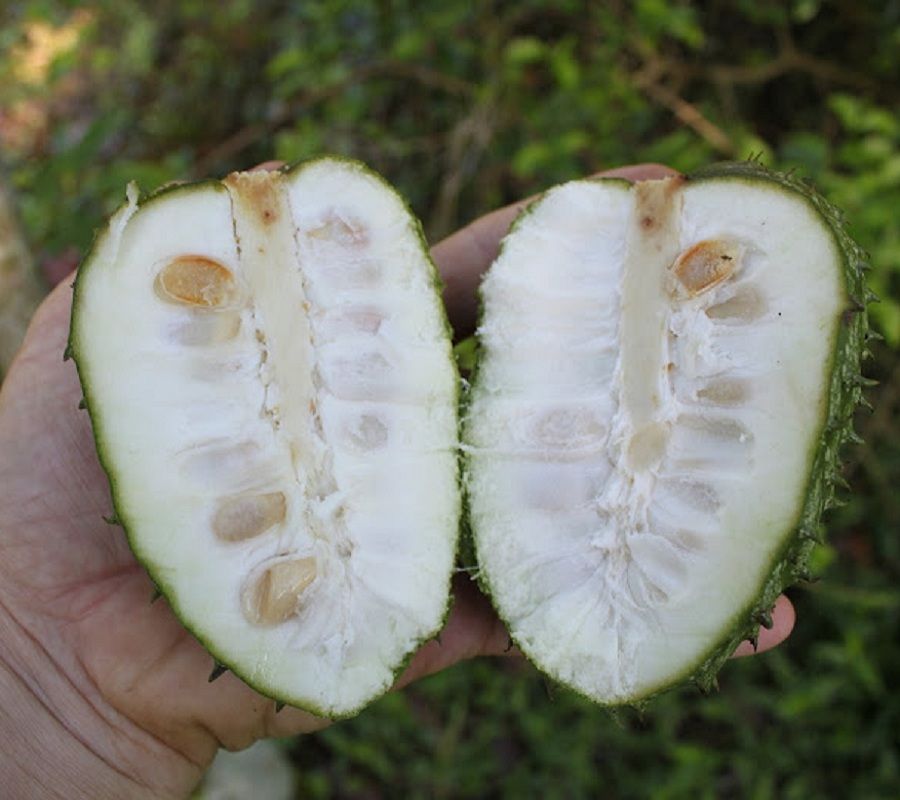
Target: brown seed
(196, 281)
(276, 594)
(245, 516)
(706, 264)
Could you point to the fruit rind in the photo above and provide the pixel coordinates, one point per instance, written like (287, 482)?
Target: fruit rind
(844, 393)
(105, 242)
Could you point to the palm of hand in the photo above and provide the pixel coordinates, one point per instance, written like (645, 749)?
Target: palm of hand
(73, 590)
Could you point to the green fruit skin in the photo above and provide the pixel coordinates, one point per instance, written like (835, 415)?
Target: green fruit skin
(119, 517)
(790, 564)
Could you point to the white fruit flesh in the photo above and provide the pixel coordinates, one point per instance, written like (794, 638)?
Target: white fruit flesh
(273, 393)
(652, 386)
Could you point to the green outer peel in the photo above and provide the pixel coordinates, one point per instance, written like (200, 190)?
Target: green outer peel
(119, 516)
(791, 563)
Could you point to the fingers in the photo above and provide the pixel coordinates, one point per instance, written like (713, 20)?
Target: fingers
(783, 618)
(639, 172)
(267, 166)
(473, 629)
(57, 267)
(463, 256)
(40, 356)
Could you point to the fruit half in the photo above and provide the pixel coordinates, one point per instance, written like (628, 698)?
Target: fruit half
(268, 371)
(666, 372)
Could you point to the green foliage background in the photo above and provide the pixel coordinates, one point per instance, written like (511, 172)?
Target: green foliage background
(466, 107)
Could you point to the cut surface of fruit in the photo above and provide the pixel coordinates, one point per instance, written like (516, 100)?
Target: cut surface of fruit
(270, 380)
(665, 374)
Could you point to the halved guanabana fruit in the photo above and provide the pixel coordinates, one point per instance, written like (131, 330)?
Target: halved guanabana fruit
(666, 372)
(269, 375)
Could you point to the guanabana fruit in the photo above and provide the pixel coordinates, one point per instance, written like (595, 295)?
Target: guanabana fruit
(268, 371)
(667, 370)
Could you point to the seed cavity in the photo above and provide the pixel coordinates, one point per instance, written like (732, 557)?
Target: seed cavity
(747, 304)
(345, 269)
(206, 330)
(644, 593)
(368, 375)
(725, 392)
(677, 498)
(657, 568)
(222, 463)
(715, 428)
(562, 428)
(367, 433)
(363, 273)
(559, 486)
(197, 281)
(275, 595)
(246, 516)
(334, 325)
(341, 229)
(690, 541)
(365, 320)
(705, 265)
(710, 443)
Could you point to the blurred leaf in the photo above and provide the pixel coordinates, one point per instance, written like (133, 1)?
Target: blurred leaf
(806, 151)
(466, 107)
(524, 50)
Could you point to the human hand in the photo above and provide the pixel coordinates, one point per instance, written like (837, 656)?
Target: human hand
(104, 694)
